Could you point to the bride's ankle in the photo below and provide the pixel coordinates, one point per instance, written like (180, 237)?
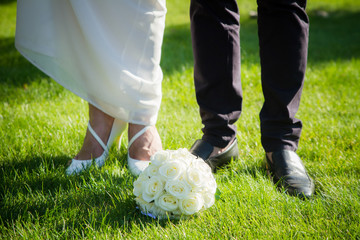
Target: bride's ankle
(146, 145)
(101, 123)
(90, 148)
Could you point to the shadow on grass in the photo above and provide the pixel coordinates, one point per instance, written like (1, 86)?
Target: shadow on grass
(38, 190)
(15, 70)
(176, 49)
(6, 1)
(335, 37)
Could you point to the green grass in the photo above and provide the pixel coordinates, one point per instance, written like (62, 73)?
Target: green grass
(42, 126)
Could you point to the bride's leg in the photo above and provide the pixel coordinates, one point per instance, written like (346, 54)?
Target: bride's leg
(101, 123)
(146, 145)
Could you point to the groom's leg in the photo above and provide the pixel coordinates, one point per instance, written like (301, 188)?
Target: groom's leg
(216, 47)
(283, 37)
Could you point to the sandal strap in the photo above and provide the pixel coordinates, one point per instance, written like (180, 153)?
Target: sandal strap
(97, 138)
(137, 135)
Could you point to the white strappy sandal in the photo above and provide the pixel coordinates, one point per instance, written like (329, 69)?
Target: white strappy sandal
(117, 129)
(137, 166)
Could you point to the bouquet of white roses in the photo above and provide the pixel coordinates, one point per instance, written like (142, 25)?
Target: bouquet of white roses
(175, 184)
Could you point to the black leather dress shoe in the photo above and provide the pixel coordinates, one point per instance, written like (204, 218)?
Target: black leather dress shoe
(203, 150)
(288, 171)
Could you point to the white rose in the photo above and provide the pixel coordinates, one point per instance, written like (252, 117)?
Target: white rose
(167, 202)
(185, 161)
(144, 206)
(211, 184)
(176, 184)
(151, 170)
(201, 166)
(172, 170)
(138, 184)
(137, 188)
(182, 155)
(152, 188)
(191, 204)
(209, 198)
(177, 188)
(195, 178)
(158, 212)
(183, 152)
(159, 157)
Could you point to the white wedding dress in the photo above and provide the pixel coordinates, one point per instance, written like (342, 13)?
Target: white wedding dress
(107, 52)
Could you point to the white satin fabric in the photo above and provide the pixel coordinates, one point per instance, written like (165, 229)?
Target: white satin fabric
(106, 52)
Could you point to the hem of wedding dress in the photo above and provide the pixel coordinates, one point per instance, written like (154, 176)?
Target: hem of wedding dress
(25, 55)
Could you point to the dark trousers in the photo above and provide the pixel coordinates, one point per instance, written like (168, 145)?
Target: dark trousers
(283, 40)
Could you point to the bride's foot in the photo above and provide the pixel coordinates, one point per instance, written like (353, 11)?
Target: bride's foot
(102, 131)
(146, 144)
(101, 123)
(144, 141)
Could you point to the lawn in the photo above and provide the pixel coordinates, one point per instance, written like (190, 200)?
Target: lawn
(42, 126)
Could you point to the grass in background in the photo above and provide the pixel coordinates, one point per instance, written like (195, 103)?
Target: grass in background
(42, 126)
